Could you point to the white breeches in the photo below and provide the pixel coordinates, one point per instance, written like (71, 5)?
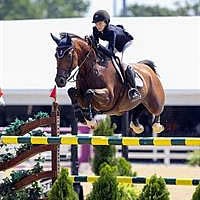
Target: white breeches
(126, 56)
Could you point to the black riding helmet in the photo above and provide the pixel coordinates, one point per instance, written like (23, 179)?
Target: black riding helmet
(101, 15)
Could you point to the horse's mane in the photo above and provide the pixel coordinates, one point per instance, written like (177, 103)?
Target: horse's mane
(72, 35)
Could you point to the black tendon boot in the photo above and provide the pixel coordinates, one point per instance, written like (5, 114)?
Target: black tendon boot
(133, 92)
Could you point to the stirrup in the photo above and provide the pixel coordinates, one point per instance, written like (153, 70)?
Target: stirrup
(134, 94)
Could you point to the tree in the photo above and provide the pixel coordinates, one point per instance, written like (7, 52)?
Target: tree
(62, 189)
(62, 8)
(196, 194)
(186, 8)
(156, 189)
(106, 187)
(40, 9)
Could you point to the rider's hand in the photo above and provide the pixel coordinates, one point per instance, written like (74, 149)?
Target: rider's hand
(87, 39)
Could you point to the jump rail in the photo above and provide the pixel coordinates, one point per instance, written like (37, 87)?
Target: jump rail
(101, 140)
(139, 180)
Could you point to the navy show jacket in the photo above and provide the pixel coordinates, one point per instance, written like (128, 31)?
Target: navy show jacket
(116, 36)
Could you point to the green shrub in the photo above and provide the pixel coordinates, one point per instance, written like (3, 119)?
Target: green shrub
(194, 159)
(106, 187)
(103, 154)
(196, 195)
(127, 192)
(62, 189)
(155, 190)
(124, 167)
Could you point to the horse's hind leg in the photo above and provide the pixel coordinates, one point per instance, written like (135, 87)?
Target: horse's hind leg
(156, 126)
(135, 114)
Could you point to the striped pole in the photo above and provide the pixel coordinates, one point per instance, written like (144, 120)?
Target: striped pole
(139, 180)
(101, 140)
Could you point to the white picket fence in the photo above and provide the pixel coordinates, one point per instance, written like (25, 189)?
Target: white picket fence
(154, 153)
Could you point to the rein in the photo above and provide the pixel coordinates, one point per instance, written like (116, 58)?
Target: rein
(72, 79)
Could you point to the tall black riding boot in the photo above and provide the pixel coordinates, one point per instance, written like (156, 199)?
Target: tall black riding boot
(133, 92)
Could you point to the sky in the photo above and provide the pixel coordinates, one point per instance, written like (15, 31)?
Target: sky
(108, 4)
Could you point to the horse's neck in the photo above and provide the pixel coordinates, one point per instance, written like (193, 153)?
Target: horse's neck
(86, 56)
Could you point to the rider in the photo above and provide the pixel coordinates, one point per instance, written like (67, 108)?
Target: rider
(118, 41)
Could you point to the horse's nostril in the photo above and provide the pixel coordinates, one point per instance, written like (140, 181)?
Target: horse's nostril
(62, 81)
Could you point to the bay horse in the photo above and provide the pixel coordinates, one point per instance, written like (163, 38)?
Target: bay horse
(98, 84)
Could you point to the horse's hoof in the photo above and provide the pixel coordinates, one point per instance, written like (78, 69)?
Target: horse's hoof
(137, 129)
(158, 128)
(92, 124)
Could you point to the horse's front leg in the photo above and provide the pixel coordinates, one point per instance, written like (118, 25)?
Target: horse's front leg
(89, 116)
(88, 98)
(73, 94)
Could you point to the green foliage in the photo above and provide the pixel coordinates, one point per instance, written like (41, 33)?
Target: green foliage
(103, 160)
(6, 157)
(194, 158)
(105, 128)
(123, 167)
(106, 187)
(13, 128)
(21, 148)
(62, 189)
(34, 192)
(155, 190)
(127, 192)
(39, 9)
(148, 11)
(196, 195)
(103, 154)
(186, 8)
(31, 193)
(41, 115)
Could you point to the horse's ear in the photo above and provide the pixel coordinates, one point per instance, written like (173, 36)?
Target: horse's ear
(68, 38)
(55, 38)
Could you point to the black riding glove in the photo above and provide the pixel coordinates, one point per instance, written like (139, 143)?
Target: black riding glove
(91, 41)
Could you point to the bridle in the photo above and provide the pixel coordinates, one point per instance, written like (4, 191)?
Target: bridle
(64, 72)
(60, 53)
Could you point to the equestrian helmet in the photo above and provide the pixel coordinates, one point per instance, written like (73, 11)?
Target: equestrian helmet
(101, 15)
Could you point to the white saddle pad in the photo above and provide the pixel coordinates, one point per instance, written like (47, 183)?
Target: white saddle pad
(138, 79)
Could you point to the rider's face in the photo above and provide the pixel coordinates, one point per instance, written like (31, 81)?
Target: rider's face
(100, 25)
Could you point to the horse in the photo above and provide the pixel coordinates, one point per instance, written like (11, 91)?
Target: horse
(99, 87)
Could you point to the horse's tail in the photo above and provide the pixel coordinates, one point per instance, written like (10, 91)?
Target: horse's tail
(150, 64)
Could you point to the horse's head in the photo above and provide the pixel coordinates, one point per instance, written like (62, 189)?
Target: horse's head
(66, 58)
